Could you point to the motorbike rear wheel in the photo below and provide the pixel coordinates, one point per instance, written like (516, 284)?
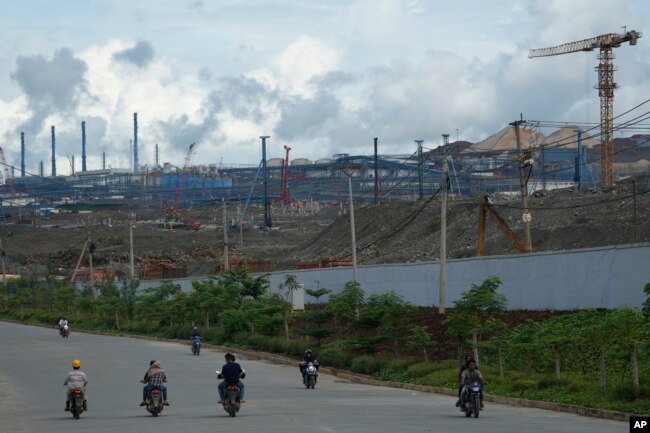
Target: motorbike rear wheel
(312, 382)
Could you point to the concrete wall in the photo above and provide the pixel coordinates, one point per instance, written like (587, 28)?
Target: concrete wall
(607, 277)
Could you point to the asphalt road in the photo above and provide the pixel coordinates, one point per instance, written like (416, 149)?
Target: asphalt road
(34, 362)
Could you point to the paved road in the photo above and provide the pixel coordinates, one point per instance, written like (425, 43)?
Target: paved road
(34, 362)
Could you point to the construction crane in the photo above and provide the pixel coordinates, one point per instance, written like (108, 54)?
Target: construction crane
(605, 86)
(181, 182)
(284, 195)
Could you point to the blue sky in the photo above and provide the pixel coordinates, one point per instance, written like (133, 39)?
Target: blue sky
(323, 77)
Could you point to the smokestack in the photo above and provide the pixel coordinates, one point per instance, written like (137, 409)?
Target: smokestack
(40, 169)
(157, 164)
(53, 153)
(22, 154)
(104, 160)
(83, 146)
(135, 143)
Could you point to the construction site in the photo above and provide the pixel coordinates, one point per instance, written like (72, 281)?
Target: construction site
(532, 186)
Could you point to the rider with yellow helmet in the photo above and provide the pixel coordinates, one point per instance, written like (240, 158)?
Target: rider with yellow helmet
(75, 379)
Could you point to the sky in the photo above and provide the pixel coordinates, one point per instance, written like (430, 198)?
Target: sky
(322, 76)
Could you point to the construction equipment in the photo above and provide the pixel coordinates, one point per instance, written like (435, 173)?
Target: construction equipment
(486, 208)
(284, 195)
(173, 218)
(181, 182)
(606, 85)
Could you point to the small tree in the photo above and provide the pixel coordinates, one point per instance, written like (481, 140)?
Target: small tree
(345, 305)
(318, 293)
(288, 287)
(498, 330)
(646, 303)
(419, 338)
(389, 313)
(481, 301)
(524, 339)
(630, 329)
(557, 333)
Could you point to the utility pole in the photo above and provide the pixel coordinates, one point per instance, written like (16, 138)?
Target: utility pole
(131, 246)
(4, 270)
(523, 186)
(352, 230)
(420, 186)
(442, 298)
(267, 217)
(226, 261)
(348, 169)
(90, 263)
(376, 176)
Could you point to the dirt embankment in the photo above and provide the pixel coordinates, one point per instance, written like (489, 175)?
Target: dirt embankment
(387, 233)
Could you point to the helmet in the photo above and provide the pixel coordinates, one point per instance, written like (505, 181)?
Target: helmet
(76, 363)
(308, 351)
(194, 328)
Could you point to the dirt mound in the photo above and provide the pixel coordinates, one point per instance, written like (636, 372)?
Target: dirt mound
(392, 232)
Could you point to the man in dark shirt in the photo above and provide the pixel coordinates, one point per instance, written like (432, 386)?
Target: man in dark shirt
(309, 357)
(231, 373)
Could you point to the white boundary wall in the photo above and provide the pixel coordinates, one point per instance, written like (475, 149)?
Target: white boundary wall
(605, 277)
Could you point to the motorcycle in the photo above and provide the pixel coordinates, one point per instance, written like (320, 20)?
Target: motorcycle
(154, 401)
(311, 375)
(231, 403)
(77, 402)
(196, 346)
(65, 331)
(473, 400)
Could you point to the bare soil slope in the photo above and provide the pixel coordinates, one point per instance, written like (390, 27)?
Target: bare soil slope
(387, 233)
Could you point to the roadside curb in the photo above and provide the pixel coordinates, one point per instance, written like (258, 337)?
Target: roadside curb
(367, 380)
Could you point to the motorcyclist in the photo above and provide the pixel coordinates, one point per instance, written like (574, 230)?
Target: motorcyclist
(469, 375)
(231, 373)
(463, 367)
(62, 322)
(309, 357)
(154, 377)
(195, 336)
(75, 379)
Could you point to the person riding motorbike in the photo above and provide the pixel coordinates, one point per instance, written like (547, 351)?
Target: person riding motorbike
(231, 373)
(309, 357)
(469, 375)
(75, 379)
(62, 322)
(154, 377)
(463, 367)
(195, 333)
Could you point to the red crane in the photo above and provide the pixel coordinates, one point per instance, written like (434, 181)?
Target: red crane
(284, 194)
(181, 182)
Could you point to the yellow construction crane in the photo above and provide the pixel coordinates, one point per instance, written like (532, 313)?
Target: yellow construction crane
(606, 85)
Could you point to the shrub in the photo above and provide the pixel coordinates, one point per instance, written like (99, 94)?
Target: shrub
(421, 369)
(577, 385)
(367, 364)
(625, 392)
(551, 382)
(258, 342)
(335, 357)
(524, 384)
(445, 378)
